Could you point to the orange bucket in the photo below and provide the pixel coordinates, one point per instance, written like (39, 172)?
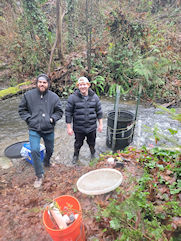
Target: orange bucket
(75, 231)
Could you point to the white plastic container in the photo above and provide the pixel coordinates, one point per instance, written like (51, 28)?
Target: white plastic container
(55, 212)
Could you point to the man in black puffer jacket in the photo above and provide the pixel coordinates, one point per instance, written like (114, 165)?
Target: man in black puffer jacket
(84, 108)
(41, 109)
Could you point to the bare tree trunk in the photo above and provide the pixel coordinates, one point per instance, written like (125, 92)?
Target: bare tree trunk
(51, 55)
(59, 40)
(59, 30)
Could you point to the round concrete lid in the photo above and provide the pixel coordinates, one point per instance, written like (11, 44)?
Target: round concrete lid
(99, 181)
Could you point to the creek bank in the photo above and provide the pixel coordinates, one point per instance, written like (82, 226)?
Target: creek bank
(13, 129)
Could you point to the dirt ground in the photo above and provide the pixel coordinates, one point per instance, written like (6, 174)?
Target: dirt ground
(22, 206)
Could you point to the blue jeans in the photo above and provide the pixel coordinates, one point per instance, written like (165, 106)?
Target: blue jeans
(34, 138)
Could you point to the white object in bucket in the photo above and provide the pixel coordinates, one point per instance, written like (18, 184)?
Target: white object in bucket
(99, 181)
(55, 212)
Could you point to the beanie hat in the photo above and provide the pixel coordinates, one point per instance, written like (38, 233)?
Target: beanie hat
(43, 77)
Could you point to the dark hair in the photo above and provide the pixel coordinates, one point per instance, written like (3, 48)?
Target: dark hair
(44, 76)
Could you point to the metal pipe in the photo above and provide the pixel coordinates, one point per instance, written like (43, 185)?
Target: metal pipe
(136, 113)
(116, 117)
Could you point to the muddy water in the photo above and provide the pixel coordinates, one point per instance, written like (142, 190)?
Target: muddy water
(13, 129)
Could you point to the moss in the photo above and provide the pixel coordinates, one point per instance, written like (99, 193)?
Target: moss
(13, 90)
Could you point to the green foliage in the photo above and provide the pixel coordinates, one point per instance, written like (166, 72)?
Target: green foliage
(69, 89)
(144, 6)
(124, 49)
(42, 1)
(79, 62)
(168, 157)
(128, 47)
(119, 71)
(36, 22)
(112, 90)
(30, 47)
(152, 70)
(93, 162)
(98, 84)
(137, 218)
(123, 217)
(29, 56)
(141, 70)
(138, 53)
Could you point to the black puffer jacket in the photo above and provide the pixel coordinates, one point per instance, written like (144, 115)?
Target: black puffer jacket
(84, 112)
(37, 109)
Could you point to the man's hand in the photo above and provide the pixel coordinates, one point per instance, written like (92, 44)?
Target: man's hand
(100, 127)
(69, 130)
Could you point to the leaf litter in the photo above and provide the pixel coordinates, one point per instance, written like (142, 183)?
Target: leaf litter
(22, 206)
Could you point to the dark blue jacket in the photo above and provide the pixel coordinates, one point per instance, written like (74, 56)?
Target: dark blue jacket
(84, 112)
(37, 109)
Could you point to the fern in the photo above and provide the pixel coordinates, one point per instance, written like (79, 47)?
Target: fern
(98, 84)
(142, 70)
(152, 69)
(112, 90)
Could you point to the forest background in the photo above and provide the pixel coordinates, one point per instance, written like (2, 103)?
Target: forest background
(130, 43)
(112, 42)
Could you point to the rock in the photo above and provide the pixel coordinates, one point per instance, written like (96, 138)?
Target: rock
(5, 163)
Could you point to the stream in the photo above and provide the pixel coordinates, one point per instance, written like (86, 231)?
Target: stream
(13, 129)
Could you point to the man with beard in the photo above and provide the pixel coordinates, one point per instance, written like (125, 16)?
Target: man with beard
(40, 108)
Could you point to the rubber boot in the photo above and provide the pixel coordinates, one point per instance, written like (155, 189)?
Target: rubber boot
(46, 162)
(75, 157)
(92, 150)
